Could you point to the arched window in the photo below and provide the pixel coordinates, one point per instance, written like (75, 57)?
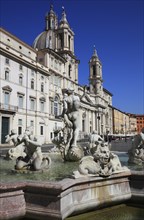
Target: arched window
(32, 84)
(94, 70)
(69, 42)
(20, 79)
(42, 87)
(7, 75)
(69, 71)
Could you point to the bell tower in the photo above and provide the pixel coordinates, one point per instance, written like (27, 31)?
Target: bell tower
(95, 74)
(51, 21)
(65, 35)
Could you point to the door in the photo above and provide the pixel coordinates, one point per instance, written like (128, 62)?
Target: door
(5, 128)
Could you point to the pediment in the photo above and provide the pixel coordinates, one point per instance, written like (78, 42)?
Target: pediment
(7, 88)
(86, 99)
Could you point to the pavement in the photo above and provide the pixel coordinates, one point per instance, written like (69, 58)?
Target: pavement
(120, 146)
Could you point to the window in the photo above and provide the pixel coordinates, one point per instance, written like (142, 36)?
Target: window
(42, 87)
(69, 41)
(51, 135)
(42, 77)
(69, 71)
(51, 107)
(55, 64)
(42, 106)
(19, 130)
(94, 70)
(6, 99)
(50, 42)
(60, 67)
(59, 110)
(83, 125)
(56, 106)
(7, 61)
(19, 126)
(32, 84)
(55, 80)
(52, 60)
(32, 104)
(20, 67)
(61, 37)
(20, 101)
(41, 130)
(21, 80)
(19, 121)
(32, 72)
(31, 123)
(59, 82)
(6, 75)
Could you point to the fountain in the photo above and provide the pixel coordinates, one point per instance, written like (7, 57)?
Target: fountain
(75, 183)
(28, 157)
(136, 153)
(67, 144)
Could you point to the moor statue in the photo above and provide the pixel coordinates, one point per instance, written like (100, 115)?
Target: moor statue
(68, 142)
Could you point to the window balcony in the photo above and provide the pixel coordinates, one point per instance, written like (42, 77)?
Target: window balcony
(8, 108)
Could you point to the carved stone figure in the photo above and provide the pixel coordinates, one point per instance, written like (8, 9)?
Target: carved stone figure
(95, 141)
(101, 163)
(34, 159)
(68, 142)
(16, 151)
(136, 153)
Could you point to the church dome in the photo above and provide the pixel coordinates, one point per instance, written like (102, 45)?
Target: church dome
(46, 39)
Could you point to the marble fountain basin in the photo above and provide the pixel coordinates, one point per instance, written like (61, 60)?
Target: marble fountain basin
(55, 195)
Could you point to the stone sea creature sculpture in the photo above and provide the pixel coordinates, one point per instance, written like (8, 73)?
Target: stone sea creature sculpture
(34, 159)
(102, 163)
(17, 150)
(95, 140)
(67, 142)
(136, 153)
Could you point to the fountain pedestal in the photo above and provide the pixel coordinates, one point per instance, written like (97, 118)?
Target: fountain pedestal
(58, 200)
(12, 201)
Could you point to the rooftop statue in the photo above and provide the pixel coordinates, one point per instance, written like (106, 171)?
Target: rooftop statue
(68, 142)
(33, 159)
(136, 153)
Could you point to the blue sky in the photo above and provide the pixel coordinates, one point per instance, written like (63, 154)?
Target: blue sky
(116, 29)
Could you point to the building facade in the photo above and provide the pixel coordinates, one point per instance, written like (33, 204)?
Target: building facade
(140, 122)
(32, 79)
(124, 123)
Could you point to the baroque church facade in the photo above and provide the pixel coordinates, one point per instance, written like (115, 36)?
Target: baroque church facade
(32, 79)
